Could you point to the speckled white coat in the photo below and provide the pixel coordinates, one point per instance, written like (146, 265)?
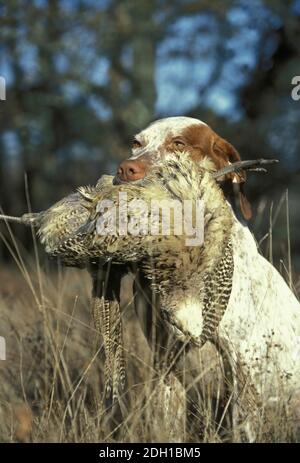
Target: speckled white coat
(261, 324)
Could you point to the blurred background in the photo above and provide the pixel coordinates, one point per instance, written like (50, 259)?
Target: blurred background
(83, 76)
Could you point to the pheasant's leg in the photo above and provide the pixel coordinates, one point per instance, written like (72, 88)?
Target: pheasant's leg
(107, 319)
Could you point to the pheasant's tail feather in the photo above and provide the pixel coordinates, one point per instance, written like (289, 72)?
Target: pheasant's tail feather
(218, 286)
(120, 365)
(108, 322)
(119, 377)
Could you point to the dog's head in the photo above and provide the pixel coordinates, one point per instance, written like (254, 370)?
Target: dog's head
(153, 145)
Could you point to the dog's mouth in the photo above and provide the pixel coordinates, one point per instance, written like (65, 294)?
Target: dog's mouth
(118, 181)
(141, 182)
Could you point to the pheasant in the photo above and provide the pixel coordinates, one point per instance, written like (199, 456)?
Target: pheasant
(70, 231)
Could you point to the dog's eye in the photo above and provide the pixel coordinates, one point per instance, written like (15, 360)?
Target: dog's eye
(179, 143)
(136, 144)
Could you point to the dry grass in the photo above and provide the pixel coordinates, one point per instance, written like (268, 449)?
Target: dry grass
(52, 381)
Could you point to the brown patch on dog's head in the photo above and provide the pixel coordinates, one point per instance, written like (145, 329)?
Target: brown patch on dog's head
(201, 141)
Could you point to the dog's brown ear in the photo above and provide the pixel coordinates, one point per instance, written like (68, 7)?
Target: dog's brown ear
(224, 154)
(244, 203)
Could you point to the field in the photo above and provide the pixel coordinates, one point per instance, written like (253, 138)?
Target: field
(52, 381)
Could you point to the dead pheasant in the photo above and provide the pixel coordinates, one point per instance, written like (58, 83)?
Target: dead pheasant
(159, 256)
(69, 230)
(166, 260)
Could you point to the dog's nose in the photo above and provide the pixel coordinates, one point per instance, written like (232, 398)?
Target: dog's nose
(131, 170)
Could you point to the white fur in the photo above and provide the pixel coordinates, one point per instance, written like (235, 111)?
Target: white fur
(155, 135)
(262, 321)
